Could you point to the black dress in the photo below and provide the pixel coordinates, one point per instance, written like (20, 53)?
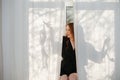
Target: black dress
(68, 64)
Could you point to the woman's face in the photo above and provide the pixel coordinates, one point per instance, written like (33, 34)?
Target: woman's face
(68, 32)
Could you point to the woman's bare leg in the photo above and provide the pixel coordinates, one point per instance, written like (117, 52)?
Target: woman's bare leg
(73, 76)
(63, 77)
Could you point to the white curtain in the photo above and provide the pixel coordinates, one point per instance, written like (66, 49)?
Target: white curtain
(32, 33)
(15, 39)
(97, 34)
(1, 59)
(46, 26)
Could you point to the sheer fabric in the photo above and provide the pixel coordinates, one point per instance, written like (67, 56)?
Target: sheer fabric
(32, 33)
(14, 39)
(46, 26)
(96, 24)
(1, 59)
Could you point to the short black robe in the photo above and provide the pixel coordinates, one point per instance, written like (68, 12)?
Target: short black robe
(68, 64)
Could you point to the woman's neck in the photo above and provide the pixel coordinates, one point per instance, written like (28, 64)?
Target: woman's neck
(72, 39)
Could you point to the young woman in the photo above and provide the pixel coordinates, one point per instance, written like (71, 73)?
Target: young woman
(68, 64)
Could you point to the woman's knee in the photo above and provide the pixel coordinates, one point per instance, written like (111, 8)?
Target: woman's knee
(63, 77)
(73, 76)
